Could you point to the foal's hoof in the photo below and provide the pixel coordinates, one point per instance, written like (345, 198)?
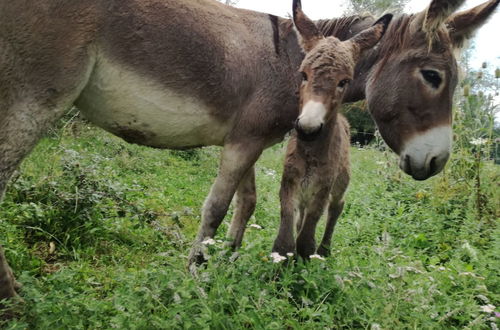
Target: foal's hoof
(324, 251)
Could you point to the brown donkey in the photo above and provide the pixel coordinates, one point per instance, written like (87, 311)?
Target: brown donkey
(181, 74)
(316, 170)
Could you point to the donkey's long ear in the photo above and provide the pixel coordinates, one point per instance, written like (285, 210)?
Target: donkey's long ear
(462, 25)
(310, 35)
(437, 13)
(368, 38)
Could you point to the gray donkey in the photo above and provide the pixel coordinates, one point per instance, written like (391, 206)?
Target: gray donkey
(317, 162)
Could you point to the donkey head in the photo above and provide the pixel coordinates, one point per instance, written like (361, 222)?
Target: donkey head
(327, 69)
(410, 89)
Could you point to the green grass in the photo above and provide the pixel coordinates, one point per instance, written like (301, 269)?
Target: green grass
(121, 218)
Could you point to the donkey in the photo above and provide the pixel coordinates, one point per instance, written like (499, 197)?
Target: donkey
(316, 172)
(182, 74)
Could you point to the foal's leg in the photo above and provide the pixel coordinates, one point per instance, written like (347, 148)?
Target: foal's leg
(285, 241)
(306, 243)
(236, 160)
(246, 199)
(334, 208)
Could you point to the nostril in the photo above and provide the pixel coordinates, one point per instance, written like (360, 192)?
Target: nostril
(433, 166)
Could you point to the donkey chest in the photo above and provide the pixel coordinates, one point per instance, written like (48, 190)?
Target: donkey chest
(141, 111)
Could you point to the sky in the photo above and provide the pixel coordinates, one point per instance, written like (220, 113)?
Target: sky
(486, 39)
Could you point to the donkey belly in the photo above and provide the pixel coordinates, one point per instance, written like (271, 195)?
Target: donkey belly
(141, 111)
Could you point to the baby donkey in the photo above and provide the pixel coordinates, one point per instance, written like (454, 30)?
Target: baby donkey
(316, 169)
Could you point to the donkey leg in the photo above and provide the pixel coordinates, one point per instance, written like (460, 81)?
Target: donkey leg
(285, 241)
(336, 205)
(236, 160)
(7, 281)
(334, 210)
(246, 198)
(306, 243)
(20, 129)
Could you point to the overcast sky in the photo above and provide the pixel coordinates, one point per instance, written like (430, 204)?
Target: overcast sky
(487, 40)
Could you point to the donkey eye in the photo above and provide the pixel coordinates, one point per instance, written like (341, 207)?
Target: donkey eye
(432, 77)
(344, 83)
(304, 76)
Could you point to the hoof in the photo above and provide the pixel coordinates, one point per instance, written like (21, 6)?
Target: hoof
(324, 251)
(198, 255)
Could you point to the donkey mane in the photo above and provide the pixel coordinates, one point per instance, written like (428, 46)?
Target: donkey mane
(342, 27)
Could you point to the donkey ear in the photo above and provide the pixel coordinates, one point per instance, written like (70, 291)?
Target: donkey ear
(462, 25)
(369, 37)
(310, 35)
(437, 12)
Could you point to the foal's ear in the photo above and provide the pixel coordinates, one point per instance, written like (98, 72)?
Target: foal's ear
(369, 37)
(437, 13)
(462, 25)
(310, 35)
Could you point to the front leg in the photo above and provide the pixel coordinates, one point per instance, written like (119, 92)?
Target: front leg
(236, 160)
(306, 243)
(285, 241)
(246, 199)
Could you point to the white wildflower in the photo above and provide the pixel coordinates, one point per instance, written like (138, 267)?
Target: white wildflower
(277, 258)
(317, 256)
(376, 326)
(255, 226)
(488, 308)
(209, 241)
(479, 142)
(289, 254)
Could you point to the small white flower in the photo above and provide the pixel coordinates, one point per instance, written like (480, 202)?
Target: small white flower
(441, 269)
(255, 226)
(380, 163)
(289, 254)
(479, 141)
(277, 258)
(488, 308)
(208, 241)
(317, 256)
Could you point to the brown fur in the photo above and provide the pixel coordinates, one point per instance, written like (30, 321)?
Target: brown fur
(316, 173)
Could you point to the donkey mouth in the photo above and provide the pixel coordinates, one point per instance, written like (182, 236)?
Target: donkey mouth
(421, 173)
(307, 135)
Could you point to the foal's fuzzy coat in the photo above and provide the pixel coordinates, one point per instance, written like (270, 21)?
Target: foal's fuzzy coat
(316, 169)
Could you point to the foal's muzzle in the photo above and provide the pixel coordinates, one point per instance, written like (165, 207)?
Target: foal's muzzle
(307, 135)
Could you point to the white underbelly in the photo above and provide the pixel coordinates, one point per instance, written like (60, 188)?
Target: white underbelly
(141, 111)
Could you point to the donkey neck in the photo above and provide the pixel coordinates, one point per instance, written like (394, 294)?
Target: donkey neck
(320, 147)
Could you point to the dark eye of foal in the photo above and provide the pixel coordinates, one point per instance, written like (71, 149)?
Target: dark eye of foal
(343, 83)
(304, 76)
(432, 77)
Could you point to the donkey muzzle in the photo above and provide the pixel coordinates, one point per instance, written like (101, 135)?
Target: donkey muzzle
(307, 134)
(426, 154)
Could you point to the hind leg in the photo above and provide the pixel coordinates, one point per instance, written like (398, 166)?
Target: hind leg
(237, 159)
(246, 199)
(20, 129)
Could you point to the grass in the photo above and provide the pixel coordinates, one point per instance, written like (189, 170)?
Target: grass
(98, 231)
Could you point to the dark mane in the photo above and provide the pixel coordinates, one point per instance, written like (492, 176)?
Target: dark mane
(344, 27)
